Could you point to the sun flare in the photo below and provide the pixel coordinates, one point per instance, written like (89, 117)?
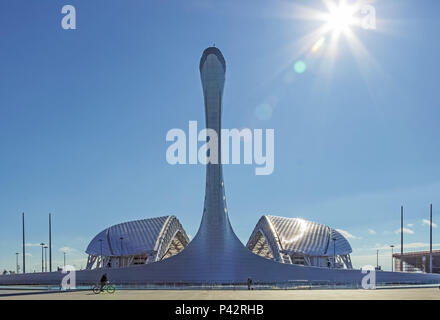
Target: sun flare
(335, 29)
(340, 17)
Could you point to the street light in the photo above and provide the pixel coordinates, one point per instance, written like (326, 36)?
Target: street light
(45, 258)
(334, 253)
(102, 263)
(392, 251)
(377, 259)
(16, 258)
(120, 262)
(64, 257)
(42, 256)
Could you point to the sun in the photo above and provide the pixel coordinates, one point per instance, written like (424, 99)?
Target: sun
(340, 17)
(334, 31)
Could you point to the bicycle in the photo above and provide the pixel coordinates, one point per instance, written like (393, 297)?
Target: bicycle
(107, 287)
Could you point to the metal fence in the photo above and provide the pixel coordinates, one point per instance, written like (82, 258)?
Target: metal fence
(256, 285)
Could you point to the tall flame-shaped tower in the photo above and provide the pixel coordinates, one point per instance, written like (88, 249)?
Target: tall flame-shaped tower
(215, 252)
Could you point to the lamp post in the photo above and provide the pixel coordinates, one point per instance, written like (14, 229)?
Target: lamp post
(401, 239)
(24, 245)
(334, 252)
(16, 260)
(430, 239)
(45, 258)
(64, 257)
(392, 251)
(377, 259)
(50, 243)
(42, 256)
(120, 262)
(100, 242)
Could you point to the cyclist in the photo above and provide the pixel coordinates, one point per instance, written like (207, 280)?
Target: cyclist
(103, 282)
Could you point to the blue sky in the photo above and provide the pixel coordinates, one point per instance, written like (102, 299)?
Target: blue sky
(84, 114)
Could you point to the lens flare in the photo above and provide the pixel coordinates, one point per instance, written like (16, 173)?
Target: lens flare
(318, 44)
(300, 66)
(264, 111)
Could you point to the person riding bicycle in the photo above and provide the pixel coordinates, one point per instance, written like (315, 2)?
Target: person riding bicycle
(103, 282)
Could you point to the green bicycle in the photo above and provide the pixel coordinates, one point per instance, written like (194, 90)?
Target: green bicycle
(107, 287)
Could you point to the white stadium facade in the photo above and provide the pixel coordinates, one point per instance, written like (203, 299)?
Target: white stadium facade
(137, 242)
(285, 240)
(298, 241)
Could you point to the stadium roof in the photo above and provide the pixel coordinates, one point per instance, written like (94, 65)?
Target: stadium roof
(140, 236)
(296, 235)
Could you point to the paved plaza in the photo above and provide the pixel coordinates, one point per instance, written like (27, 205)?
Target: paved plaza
(380, 294)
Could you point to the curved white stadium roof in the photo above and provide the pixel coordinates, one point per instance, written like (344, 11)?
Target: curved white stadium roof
(296, 235)
(140, 236)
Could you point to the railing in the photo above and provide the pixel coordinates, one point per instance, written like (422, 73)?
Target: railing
(256, 285)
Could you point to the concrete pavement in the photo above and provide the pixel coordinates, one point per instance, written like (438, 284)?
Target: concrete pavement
(339, 294)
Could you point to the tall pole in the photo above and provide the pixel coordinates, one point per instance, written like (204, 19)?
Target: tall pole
(334, 253)
(50, 242)
(42, 256)
(430, 239)
(102, 264)
(24, 247)
(401, 238)
(392, 252)
(45, 258)
(377, 259)
(16, 261)
(120, 263)
(64, 254)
